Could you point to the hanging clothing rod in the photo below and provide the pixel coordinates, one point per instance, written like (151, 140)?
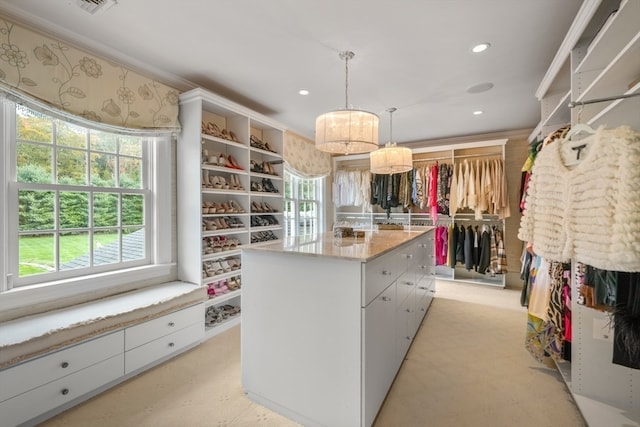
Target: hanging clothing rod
(466, 156)
(573, 104)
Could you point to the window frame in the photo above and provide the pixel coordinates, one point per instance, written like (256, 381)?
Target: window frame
(295, 199)
(158, 217)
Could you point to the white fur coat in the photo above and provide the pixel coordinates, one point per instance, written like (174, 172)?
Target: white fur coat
(589, 212)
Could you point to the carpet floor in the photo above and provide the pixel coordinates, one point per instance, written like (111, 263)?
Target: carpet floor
(467, 367)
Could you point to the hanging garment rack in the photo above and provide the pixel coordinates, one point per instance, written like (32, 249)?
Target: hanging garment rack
(574, 104)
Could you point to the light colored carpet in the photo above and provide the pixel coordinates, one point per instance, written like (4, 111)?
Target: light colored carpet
(466, 367)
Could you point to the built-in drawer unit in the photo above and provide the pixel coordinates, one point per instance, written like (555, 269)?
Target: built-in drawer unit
(159, 348)
(58, 388)
(143, 333)
(379, 273)
(34, 373)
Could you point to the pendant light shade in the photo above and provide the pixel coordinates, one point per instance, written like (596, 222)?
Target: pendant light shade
(347, 131)
(391, 159)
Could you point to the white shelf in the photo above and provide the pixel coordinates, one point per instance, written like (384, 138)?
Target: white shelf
(212, 331)
(222, 299)
(612, 37)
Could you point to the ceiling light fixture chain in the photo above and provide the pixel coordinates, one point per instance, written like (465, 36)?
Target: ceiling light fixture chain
(346, 56)
(391, 110)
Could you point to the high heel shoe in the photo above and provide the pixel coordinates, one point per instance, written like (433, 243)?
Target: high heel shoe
(255, 207)
(233, 163)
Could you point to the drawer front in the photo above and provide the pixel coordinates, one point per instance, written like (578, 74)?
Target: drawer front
(406, 285)
(164, 346)
(43, 370)
(379, 273)
(49, 396)
(143, 333)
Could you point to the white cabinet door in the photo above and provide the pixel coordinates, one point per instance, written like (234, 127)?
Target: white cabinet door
(379, 370)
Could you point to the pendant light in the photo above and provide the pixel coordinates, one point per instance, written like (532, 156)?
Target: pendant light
(391, 159)
(347, 131)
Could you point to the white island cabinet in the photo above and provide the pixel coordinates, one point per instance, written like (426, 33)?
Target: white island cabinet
(326, 322)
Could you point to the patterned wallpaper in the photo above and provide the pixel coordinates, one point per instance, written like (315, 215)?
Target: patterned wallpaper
(74, 81)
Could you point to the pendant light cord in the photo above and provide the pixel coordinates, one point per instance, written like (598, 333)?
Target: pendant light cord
(346, 55)
(391, 110)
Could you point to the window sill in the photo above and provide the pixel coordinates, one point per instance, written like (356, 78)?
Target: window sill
(28, 300)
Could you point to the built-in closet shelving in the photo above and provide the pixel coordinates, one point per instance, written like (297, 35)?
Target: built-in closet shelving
(229, 196)
(365, 216)
(600, 57)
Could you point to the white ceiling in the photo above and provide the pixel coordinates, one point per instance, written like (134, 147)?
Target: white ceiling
(410, 54)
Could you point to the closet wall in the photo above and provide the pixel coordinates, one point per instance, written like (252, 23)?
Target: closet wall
(516, 151)
(599, 58)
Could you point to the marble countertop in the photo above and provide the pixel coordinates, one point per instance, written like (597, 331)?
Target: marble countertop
(373, 244)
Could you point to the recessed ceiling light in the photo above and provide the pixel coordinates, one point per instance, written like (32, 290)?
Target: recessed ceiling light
(481, 47)
(478, 112)
(303, 92)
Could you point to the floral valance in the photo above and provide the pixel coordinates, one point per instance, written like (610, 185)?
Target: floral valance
(76, 82)
(303, 158)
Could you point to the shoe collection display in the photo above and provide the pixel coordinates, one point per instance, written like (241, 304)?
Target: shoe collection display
(219, 208)
(222, 223)
(216, 244)
(220, 182)
(263, 236)
(263, 221)
(216, 267)
(266, 186)
(213, 129)
(255, 142)
(261, 207)
(264, 167)
(218, 314)
(221, 160)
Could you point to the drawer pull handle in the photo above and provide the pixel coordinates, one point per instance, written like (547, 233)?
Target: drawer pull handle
(386, 273)
(422, 288)
(409, 338)
(422, 309)
(171, 344)
(386, 299)
(409, 283)
(65, 391)
(409, 256)
(171, 324)
(64, 365)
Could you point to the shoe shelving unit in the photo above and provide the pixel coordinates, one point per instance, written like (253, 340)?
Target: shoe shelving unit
(229, 196)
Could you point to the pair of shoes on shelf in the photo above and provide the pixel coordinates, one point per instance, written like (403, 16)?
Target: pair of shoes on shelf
(268, 186)
(263, 236)
(261, 207)
(263, 221)
(255, 142)
(264, 167)
(213, 129)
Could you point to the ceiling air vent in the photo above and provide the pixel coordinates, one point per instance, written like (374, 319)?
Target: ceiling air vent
(93, 6)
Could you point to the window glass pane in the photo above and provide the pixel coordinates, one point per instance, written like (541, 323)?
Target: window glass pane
(130, 146)
(36, 254)
(74, 209)
(132, 243)
(106, 247)
(74, 250)
(33, 126)
(132, 209)
(103, 170)
(105, 210)
(130, 173)
(34, 163)
(102, 141)
(36, 210)
(70, 135)
(71, 166)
